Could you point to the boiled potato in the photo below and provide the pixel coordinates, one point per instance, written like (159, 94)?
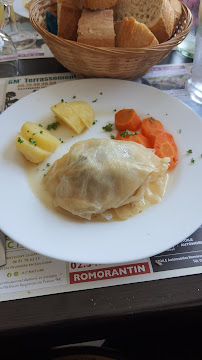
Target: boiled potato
(84, 111)
(30, 150)
(44, 139)
(76, 114)
(65, 113)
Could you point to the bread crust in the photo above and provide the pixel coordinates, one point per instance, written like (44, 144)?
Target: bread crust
(177, 8)
(96, 28)
(163, 29)
(161, 23)
(95, 4)
(132, 34)
(68, 15)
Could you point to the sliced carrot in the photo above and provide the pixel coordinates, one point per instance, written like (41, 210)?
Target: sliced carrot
(150, 125)
(127, 119)
(126, 135)
(141, 139)
(133, 136)
(152, 137)
(165, 146)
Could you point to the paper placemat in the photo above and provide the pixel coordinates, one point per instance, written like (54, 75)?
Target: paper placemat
(28, 274)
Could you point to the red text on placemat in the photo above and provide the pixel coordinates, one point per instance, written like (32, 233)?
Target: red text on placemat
(109, 272)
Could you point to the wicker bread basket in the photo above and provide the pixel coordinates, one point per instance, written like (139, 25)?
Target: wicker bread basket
(88, 61)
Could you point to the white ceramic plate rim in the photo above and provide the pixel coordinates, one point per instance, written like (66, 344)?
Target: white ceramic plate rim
(25, 219)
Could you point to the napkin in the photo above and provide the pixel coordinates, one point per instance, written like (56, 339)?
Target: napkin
(51, 23)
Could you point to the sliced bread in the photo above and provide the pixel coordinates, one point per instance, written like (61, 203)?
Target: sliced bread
(157, 15)
(177, 7)
(95, 4)
(68, 15)
(132, 34)
(96, 28)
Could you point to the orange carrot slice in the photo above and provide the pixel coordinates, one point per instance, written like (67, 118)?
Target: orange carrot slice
(165, 146)
(150, 125)
(127, 119)
(134, 136)
(152, 137)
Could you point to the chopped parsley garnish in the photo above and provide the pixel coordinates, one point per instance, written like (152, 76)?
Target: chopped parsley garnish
(189, 151)
(62, 100)
(114, 110)
(94, 122)
(20, 140)
(127, 132)
(48, 164)
(151, 119)
(74, 97)
(53, 126)
(108, 127)
(27, 130)
(33, 133)
(112, 137)
(100, 93)
(40, 125)
(41, 132)
(32, 140)
(95, 100)
(192, 161)
(61, 141)
(180, 130)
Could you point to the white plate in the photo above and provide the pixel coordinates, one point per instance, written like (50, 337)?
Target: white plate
(20, 9)
(24, 217)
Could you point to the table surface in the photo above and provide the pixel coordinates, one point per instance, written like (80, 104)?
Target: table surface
(99, 313)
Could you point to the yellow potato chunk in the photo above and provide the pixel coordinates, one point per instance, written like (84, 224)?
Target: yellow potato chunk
(44, 139)
(65, 113)
(84, 111)
(76, 114)
(30, 150)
